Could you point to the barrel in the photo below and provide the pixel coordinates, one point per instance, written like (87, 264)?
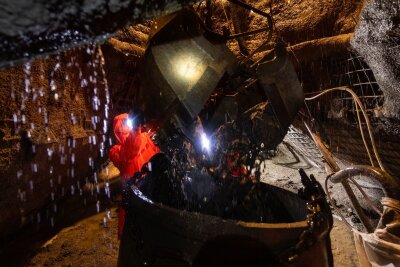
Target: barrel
(159, 235)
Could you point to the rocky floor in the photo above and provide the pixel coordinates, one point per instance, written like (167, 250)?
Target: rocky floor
(90, 242)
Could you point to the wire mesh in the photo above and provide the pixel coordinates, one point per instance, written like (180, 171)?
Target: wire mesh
(349, 70)
(357, 75)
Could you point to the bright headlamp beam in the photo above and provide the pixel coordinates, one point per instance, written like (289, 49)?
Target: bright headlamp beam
(129, 123)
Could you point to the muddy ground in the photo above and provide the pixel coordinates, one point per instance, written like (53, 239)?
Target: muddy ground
(89, 242)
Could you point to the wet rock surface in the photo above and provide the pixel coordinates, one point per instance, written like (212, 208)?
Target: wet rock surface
(34, 28)
(53, 133)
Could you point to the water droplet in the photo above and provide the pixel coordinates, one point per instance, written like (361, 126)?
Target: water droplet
(53, 86)
(98, 206)
(34, 167)
(108, 214)
(49, 152)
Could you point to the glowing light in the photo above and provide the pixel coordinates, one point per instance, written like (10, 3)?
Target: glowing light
(129, 123)
(205, 142)
(189, 67)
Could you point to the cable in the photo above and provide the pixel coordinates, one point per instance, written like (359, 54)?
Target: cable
(367, 198)
(333, 205)
(358, 102)
(363, 136)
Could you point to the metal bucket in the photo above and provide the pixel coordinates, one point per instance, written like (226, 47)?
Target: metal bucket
(158, 235)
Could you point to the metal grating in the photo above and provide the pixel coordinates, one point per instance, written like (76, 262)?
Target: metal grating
(304, 145)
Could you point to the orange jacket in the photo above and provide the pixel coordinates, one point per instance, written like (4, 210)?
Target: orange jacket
(135, 148)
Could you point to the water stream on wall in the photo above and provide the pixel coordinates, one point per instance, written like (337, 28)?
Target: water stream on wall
(61, 153)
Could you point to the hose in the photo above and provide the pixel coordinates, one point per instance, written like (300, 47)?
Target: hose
(359, 104)
(367, 198)
(390, 185)
(363, 137)
(338, 211)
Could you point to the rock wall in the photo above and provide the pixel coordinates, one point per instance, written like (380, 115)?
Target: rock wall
(295, 21)
(33, 28)
(123, 54)
(314, 38)
(53, 131)
(377, 39)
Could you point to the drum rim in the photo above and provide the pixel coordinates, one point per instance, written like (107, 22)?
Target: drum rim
(143, 200)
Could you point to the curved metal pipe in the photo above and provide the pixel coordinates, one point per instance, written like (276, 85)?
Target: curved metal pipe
(390, 185)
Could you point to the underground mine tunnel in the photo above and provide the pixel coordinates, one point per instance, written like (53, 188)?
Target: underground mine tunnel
(200, 133)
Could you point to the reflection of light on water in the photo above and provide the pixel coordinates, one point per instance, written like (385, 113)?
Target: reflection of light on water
(189, 67)
(139, 194)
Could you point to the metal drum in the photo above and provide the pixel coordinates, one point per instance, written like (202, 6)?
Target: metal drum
(158, 235)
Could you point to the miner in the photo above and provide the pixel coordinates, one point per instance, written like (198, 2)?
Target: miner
(134, 149)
